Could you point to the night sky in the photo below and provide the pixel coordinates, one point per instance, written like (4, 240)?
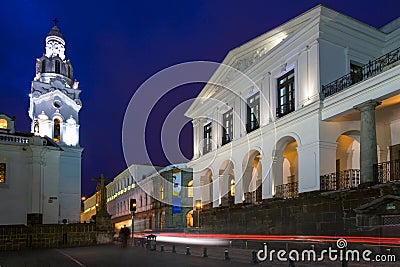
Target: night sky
(115, 46)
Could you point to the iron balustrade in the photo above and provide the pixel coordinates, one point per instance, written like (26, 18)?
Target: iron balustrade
(387, 171)
(374, 67)
(285, 109)
(289, 190)
(340, 180)
(14, 139)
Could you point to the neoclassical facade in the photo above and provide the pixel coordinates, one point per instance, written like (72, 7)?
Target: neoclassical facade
(311, 105)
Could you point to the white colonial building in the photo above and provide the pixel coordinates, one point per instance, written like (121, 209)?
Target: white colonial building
(42, 170)
(311, 105)
(153, 188)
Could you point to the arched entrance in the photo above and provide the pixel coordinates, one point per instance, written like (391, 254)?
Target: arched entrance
(227, 184)
(286, 168)
(252, 177)
(348, 160)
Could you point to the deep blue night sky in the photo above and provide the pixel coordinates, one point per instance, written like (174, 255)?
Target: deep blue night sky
(115, 46)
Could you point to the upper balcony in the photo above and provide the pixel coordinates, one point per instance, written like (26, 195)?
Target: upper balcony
(367, 71)
(378, 80)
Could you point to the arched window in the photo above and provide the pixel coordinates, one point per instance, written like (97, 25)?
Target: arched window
(69, 71)
(57, 69)
(3, 124)
(57, 131)
(43, 66)
(190, 189)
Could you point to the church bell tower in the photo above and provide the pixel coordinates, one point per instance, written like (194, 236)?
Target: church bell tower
(54, 111)
(54, 98)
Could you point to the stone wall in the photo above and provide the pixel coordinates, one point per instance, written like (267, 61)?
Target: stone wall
(314, 213)
(16, 237)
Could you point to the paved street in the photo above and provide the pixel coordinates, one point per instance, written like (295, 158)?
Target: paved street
(114, 255)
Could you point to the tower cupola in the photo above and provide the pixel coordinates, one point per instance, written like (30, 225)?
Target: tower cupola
(54, 99)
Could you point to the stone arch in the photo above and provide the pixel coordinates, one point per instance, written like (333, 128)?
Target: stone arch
(285, 167)
(347, 165)
(252, 176)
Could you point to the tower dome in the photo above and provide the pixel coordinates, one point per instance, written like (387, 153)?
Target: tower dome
(55, 31)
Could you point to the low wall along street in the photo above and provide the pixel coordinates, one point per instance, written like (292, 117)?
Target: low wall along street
(373, 211)
(16, 237)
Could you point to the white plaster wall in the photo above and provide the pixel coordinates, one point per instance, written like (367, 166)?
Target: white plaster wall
(14, 194)
(70, 184)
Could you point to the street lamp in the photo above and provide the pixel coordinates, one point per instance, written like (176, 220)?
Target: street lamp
(198, 208)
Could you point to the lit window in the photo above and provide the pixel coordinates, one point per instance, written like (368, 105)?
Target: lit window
(190, 188)
(57, 132)
(285, 94)
(207, 145)
(3, 124)
(253, 112)
(2, 173)
(227, 127)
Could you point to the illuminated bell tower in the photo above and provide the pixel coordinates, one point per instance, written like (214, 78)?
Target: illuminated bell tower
(54, 111)
(54, 97)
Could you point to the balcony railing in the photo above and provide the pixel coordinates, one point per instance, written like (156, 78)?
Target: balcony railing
(374, 67)
(289, 190)
(285, 109)
(340, 180)
(387, 171)
(251, 126)
(14, 139)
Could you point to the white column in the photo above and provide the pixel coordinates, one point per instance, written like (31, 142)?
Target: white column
(276, 172)
(308, 170)
(238, 184)
(215, 125)
(368, 151)
(238, 120)
(272, 94)
(195, 124)
(266, 178)
(216, 198)
(265, 108)
(201, 135)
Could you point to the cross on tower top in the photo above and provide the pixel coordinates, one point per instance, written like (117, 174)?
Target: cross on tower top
(55, 20)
